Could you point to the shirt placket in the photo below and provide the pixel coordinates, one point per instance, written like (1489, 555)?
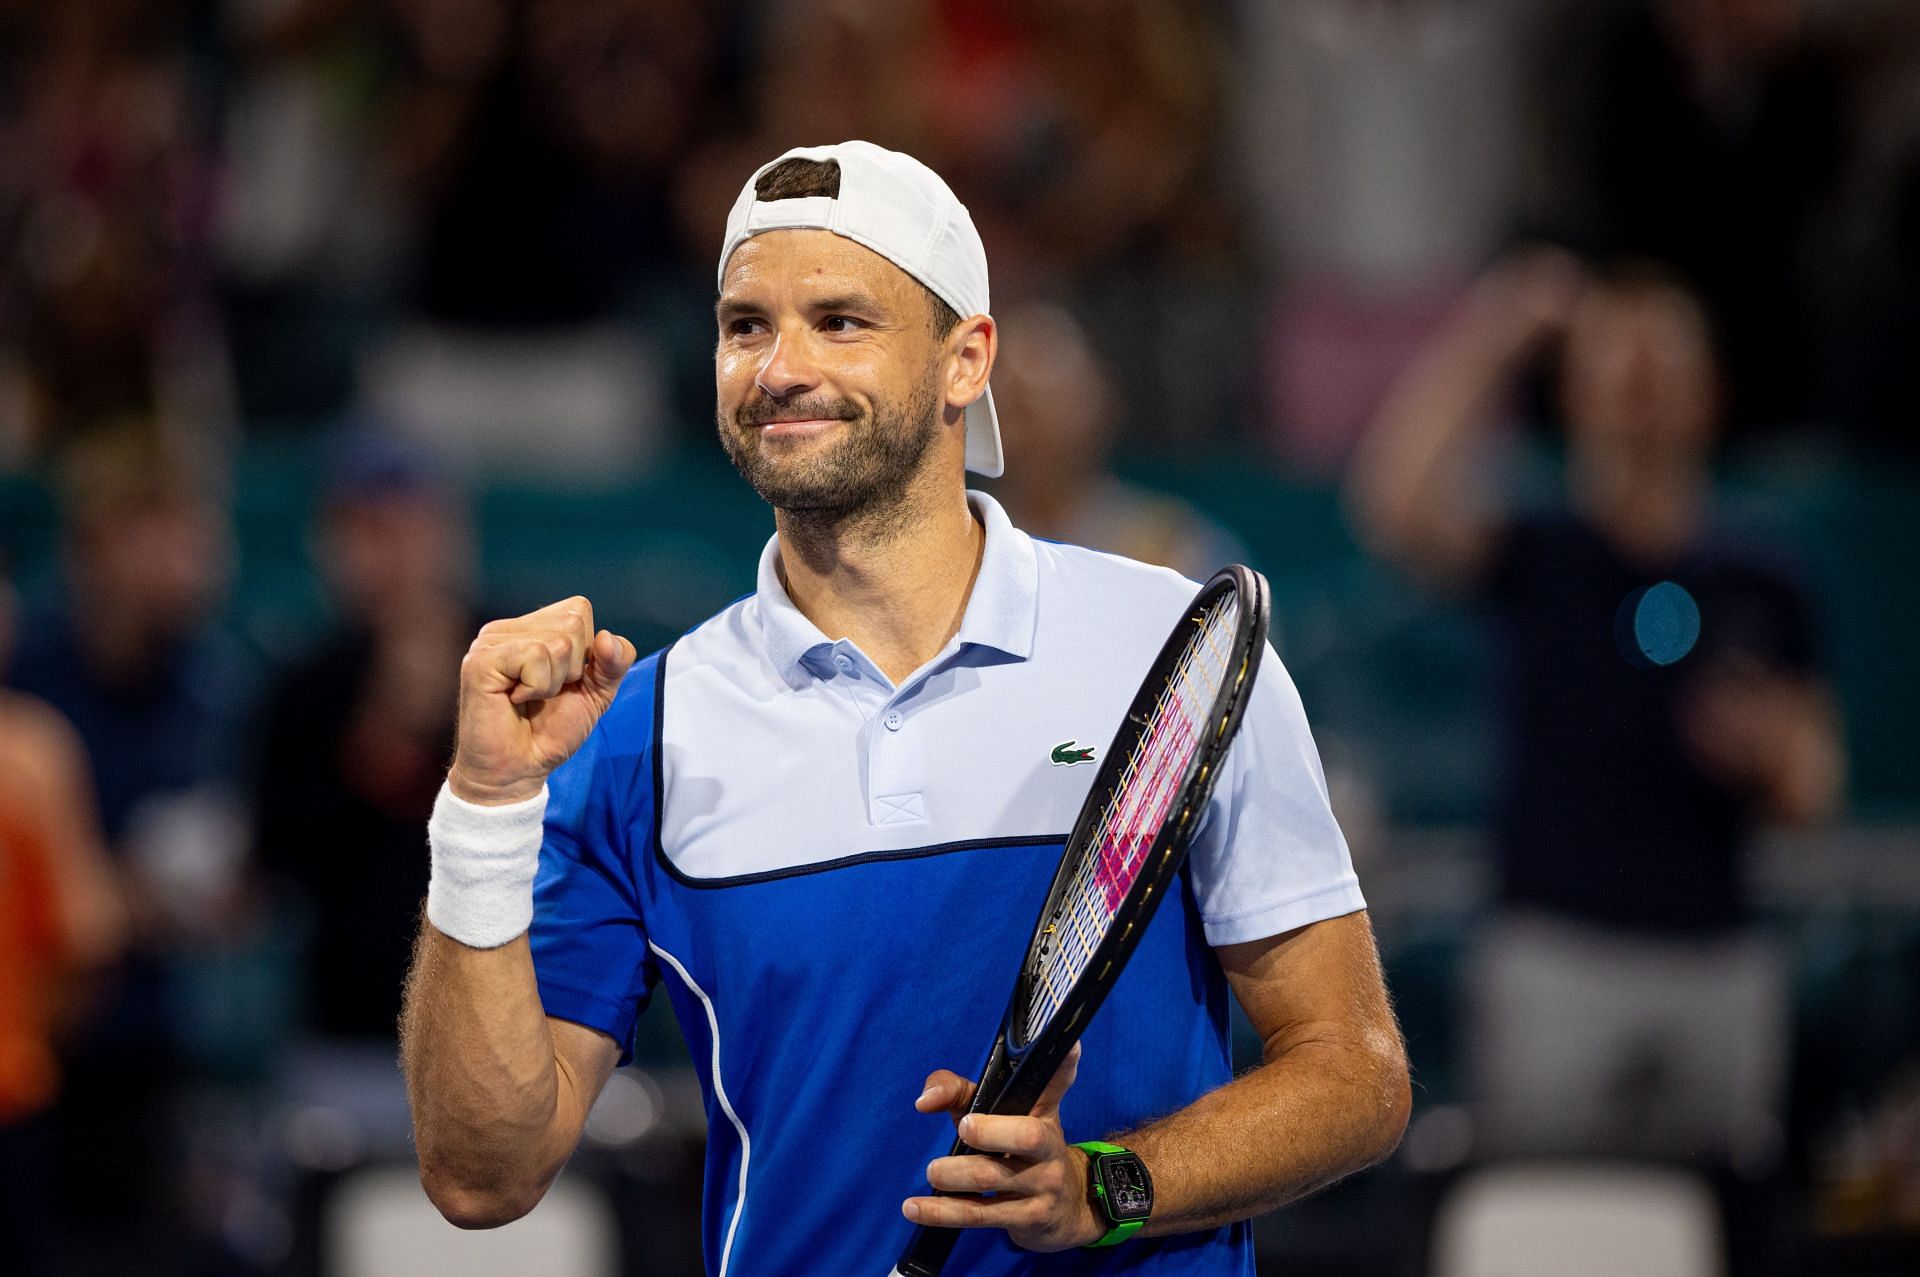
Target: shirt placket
(895, 752)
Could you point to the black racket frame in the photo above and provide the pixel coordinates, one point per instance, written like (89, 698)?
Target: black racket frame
(1017, 1072)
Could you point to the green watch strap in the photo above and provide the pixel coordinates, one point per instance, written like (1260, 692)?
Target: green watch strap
(1118, 1232)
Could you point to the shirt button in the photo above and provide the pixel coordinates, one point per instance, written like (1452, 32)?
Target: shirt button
(844, 661)
(893, 720)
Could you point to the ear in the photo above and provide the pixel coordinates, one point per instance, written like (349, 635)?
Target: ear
(971, 348)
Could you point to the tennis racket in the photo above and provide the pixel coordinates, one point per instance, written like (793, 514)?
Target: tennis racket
(1131, 835)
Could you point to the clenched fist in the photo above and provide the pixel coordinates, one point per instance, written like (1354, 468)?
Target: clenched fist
(531, 689)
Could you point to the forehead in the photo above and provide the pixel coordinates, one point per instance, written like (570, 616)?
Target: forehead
(807, 261)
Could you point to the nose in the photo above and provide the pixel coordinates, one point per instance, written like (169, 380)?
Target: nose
(787, 370)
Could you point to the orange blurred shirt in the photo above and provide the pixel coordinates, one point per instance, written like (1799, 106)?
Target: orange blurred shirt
(32, 955)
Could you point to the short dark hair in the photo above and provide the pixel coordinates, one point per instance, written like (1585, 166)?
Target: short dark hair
(799, 178)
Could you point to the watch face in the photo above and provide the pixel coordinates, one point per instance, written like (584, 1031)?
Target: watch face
(1129, 1191)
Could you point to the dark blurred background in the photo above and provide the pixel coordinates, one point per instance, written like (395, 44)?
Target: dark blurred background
(1558, 361)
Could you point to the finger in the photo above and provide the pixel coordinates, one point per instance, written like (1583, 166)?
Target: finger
(946, 1091)
(973, 1175)
(575, 612)
(1048, 1105)
(569, 658)
(608, 661)
(530, 665)
(569, 621)
(1026, 1137)
(578, 627)
(971, 1212)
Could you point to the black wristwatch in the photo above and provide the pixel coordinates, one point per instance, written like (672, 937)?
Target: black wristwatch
(1120, 1189)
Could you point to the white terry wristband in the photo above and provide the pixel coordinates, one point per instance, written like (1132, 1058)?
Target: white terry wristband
(484, 859)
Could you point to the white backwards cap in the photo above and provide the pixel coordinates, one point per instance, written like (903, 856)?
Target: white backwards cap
(899, 208)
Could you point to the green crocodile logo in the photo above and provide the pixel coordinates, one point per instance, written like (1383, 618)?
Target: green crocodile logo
(1065, 755)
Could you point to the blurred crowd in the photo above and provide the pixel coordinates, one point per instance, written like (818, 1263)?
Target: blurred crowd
(1390, 251)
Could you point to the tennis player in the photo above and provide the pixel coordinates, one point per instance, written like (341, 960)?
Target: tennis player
(825, 819)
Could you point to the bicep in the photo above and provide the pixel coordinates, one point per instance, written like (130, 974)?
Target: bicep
(1318, 982)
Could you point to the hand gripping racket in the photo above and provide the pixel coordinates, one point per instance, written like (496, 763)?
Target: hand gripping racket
(1131, 835)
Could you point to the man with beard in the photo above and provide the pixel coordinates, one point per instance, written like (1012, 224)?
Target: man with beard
(825, 818)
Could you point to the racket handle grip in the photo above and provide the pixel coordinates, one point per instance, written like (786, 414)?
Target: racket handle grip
(927, 1252)
(928, 1249)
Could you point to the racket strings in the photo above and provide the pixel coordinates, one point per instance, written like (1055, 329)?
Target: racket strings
(1136, 808)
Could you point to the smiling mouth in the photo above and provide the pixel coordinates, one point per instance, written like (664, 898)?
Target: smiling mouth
(797, 426)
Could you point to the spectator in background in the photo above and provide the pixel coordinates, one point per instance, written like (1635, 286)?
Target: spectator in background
(541, 138)
(104, 311)
(129, 654)
(128, 650)
(357, 735)
(61, 923)
(1088, 154)
(311, 221)
(1057, 412)
(1091, 156)
(1624, 1000)
(1709, 134)
(1380, 143)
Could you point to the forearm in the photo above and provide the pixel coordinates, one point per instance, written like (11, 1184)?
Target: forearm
(1308, 1117)
(495, 1114)
(1409, 472)
(1805, 777)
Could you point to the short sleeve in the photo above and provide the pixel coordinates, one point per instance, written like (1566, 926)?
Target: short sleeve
(1270, 856)
(589, 937)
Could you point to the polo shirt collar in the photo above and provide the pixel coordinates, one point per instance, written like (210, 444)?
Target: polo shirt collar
(1001, 612)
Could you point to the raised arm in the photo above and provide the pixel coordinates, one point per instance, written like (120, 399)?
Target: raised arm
(1330, 1098)
(500, 1092)
(1412, 488)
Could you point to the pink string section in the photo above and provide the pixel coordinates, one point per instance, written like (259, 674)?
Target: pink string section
(1124, 848)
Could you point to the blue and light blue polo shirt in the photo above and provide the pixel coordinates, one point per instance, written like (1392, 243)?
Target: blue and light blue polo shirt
(835, 877)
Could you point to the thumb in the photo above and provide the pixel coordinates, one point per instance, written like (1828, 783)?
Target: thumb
(946, 1092)
(608, 661)
(1048, 1105)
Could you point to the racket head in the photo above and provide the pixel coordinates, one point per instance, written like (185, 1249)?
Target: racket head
(1027, 1052)
(1140, 814)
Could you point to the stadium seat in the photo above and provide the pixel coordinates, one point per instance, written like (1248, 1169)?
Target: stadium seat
(1578, 1219)
(378, 1223)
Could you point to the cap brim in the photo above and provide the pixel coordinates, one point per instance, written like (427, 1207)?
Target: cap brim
(984, 456)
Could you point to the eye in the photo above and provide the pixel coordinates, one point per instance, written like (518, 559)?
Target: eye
(744, 326)
(840, 323)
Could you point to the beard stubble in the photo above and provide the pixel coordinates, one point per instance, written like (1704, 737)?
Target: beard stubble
(864, 476)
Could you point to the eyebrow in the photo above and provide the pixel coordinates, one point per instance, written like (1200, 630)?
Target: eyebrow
(851, 300)
(855, 301)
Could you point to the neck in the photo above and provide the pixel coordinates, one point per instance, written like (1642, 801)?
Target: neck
(1651, 511)
(895, 581)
